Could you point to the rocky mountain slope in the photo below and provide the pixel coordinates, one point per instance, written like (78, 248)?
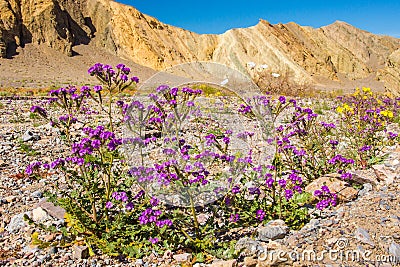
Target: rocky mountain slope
(332, 57)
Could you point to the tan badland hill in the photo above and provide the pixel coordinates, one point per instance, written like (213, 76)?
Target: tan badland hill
(81, 32)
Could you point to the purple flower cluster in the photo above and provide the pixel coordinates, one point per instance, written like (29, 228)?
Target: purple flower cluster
(40, 110)
(123, 68)
(260, 215)
(340, 159)
(33, 167)
(150, 215)
(68, 119)
(244, 135)
(107, 74)
(392, 135)
(326, 198)
(58, 162)
(76, 160)
(333, 143)
(97, 137)
(120, 196)
(245, 109)
(346, 176)
(97, 88)
(288, 194)
(109, 205)
(210, 139)
(328, 126)
(365, 148)
(235, 189)
(234, 218)
(254, 191)
(63, 91)
(190, 91)
(123, 197)
(154, 240)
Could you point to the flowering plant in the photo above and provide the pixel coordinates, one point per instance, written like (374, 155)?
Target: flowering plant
(181, 179)
(99, 204)
(364, 117)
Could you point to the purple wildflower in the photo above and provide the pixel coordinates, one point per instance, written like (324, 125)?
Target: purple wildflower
(97, 88)
(234, 218)
(392, 135)
(260, 215)
(109, 205)
(282, 183)
(235, 189)
(154, 240)
(154, 201)
(288, 194)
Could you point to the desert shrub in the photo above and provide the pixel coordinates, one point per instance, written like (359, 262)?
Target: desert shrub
(282, 83)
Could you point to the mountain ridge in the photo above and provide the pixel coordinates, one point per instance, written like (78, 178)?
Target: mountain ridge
(332, 56)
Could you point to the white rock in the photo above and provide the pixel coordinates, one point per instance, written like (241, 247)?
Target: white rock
(39, 215)
(276, 75)
(224, 81)
(182, 257)
(251, 65)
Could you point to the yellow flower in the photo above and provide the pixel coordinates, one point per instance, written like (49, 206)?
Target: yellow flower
(387, 113)
(345, 108)
(357, 92)
(366, 89)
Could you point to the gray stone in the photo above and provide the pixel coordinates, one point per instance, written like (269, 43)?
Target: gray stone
(366, 189)
(394, 250)
(53, 250)
(249, 247)
(37, 194)
(383, 205)
(28, 136)
(139, 262)
(80, 252)
(276, 229)
(17, 223)
(362, 235)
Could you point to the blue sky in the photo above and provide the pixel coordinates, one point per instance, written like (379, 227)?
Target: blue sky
(205, 16)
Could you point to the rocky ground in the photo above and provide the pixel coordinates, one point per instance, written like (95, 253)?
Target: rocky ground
(362, 232)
